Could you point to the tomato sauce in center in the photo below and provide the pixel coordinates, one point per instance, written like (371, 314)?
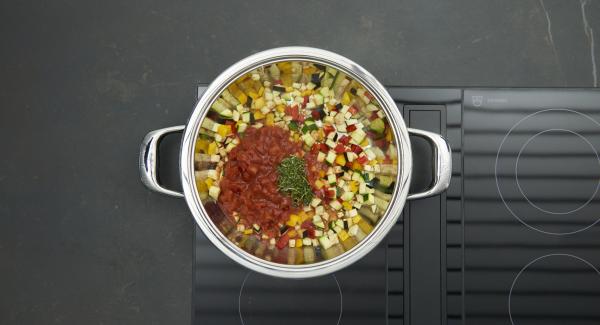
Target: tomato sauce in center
(249, 183)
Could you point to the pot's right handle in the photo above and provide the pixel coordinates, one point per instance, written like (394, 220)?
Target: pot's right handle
(442, 165)
(149, 159)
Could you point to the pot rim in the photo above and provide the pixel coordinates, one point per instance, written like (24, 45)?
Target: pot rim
(296, 53)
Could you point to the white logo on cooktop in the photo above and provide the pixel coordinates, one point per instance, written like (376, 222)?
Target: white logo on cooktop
(477, 100)
(497, 100)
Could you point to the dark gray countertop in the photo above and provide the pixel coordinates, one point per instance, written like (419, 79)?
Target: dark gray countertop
(81, 240)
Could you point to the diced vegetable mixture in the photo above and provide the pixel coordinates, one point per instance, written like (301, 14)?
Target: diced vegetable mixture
(301, 160)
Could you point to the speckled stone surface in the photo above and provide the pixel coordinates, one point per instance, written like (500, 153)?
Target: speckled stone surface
(81, 240)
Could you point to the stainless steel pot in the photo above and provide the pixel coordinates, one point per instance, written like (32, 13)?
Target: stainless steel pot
(442, 172)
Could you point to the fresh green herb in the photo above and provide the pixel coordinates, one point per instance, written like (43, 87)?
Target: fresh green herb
(292, 180)
(309, 126)
(293, 125)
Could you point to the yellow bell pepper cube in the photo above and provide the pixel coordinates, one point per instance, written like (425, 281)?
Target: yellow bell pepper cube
(346, 98)
(259, 103)
(224, 130)
(209, 182)
(233, 88)
(285, 67)
(356, 219)
(365, 226)
(287, 81)
(212, 148)
(252, 94)
(340, 160)
(239, 95)
(201, 187)
(242, 98)
(258, 115)
(292, 233)
(201, 146)
(308, 215)
(298, 242)
(270, 119)
(349, 243)
(280, 108)
(347, 206)
(293, 220)
(261, 91)
(353, 186)
(364, 143)
(305, 216)
(343, 235)
(299, 255)
(248, 231)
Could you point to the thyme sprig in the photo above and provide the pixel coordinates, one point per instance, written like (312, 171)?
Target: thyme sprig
(292, 180)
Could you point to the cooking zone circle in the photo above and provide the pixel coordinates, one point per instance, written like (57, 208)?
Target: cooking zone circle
(556, 132)
(316, 300)
(561, 163)
(558, 286)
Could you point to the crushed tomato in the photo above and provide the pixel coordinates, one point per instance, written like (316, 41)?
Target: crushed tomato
(249, 183)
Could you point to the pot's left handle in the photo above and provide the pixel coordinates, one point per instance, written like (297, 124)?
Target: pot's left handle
(149, 159)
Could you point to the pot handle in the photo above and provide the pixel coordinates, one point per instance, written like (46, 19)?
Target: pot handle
(442, 166)
(149, 159)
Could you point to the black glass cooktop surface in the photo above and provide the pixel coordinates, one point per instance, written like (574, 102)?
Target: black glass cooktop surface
(531, 206)
(514, 240)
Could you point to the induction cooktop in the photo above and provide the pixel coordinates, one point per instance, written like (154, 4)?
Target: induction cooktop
(514, 240)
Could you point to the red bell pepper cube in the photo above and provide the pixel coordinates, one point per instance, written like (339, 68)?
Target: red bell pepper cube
(328, 129)
(339, 148)
(362, 160)
(355, 148)
(283, 241)
(344, 139)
